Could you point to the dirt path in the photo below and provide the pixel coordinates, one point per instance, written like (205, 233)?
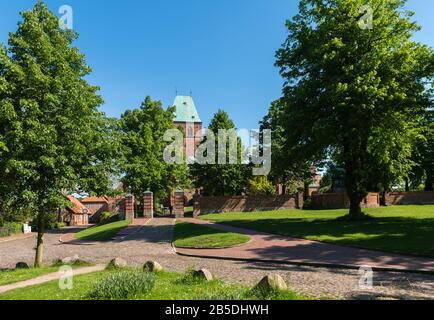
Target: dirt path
(48, 278)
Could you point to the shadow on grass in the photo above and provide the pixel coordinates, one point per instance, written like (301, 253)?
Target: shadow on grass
(394, 234)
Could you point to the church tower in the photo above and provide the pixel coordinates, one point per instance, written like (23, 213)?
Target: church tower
(187, 118)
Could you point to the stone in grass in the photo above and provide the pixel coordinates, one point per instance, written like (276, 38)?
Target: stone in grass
(272, 283)
(70, 260)
(152, 266)
(21, 265)
(203, 274)
(117, 263)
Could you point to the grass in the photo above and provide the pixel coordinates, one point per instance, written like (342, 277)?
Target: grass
(18, 275)
(13, 276)
(401, 229)
(103, 232)
(201, 237)
(168, 286)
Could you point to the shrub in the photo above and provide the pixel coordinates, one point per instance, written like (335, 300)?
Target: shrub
(108, 217)
(57, 225)
(261, 186)
(122, 286)
(10, 228)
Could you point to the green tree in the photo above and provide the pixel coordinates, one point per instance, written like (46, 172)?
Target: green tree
(50, 120)
(222, 179)
(291, 168)
(354, 94)
(423, 170)
(143, 145)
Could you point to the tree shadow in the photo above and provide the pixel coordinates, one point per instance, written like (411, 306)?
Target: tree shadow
(394, 234)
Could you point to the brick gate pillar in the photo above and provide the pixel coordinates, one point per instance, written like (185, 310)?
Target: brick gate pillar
(129, 207)
(148, 205)
(178, 205)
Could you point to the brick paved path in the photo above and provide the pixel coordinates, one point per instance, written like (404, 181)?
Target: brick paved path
(274, 248)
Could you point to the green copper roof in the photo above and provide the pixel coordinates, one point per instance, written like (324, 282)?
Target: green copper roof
(185, 110)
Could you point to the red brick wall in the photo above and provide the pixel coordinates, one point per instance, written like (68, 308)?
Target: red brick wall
(341, 201)
(248, 203)
(403, 198)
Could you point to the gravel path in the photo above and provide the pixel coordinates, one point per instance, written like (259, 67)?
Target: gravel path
(153, 242)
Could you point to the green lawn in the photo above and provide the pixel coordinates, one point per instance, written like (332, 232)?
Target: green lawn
(403, 229)
(102, 232)
(12, 276)
(168, 286)
(197, 236)
(17, 275)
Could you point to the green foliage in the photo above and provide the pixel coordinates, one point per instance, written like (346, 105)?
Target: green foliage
(353, 95)
(218, 179)
(423, 156)
(52, 134)
(122, 286)
(261, 186)
(10, 228)
(143, 145)
(57, 225)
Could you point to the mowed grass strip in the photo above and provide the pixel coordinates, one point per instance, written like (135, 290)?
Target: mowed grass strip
(189, 235)
(399, 229)
(103, 232)
(168, 286)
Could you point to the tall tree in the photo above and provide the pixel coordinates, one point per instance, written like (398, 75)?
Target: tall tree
(222, 179)
(354, 94)
(143, 145)
(50, 118)
(423, 169)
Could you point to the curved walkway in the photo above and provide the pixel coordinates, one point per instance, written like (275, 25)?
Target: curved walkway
(274, 248)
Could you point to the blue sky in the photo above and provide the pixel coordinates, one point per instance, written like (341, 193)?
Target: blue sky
(222, 50)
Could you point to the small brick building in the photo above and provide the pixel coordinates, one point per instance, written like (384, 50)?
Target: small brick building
(75, 214)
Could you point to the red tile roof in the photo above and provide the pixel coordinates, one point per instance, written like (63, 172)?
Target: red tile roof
(76, 206)
(95, 200)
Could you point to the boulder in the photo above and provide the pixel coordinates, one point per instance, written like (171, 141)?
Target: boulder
(203, 274)
(21, 265)
(118, 263)
(271, 283)
(152, 266)
(70, 260)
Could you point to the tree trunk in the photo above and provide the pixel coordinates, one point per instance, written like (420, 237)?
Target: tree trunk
(383, 196)
(407, 185)
(355, 207)
(40, 242)
(354, 183)
(429, 182)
